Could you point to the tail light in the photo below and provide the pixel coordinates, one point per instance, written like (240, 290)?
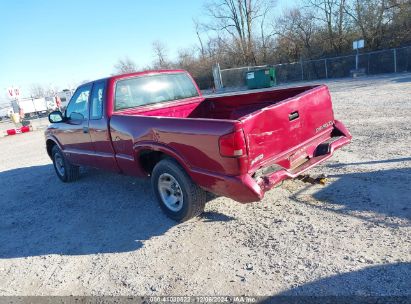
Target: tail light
(233, 144)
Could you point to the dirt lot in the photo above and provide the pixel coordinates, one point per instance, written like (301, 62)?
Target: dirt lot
(105, 235)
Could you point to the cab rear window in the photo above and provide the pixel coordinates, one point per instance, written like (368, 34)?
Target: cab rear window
(151, 89)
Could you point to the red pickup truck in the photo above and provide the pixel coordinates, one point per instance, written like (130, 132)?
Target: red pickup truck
(157, 124)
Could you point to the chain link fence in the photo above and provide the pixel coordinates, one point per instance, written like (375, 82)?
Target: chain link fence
(372, 63)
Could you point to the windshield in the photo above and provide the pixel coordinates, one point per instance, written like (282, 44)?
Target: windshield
(151, 89)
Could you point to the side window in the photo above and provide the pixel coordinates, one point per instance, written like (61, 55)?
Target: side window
(79, 102)
(97, 100)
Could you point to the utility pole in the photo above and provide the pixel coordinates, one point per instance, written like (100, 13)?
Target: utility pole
(302, 69)
(395, 60)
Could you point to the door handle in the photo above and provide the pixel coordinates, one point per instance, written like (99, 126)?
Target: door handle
(85, 129)
(293, 115)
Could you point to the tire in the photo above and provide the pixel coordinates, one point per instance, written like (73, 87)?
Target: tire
(182, 201)
(65, 171)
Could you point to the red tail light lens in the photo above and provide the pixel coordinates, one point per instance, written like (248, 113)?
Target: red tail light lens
(233, 144)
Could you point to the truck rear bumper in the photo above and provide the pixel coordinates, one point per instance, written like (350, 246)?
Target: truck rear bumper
(247, 188)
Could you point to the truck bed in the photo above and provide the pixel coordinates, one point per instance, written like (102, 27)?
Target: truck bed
(236, 106)
(227, 107)
(279, 126)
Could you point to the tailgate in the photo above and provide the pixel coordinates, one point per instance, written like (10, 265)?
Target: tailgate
(278, 133)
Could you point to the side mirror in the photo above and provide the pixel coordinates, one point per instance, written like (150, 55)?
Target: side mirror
(56, 117)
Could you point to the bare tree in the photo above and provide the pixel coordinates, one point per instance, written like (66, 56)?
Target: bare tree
(297, 29)
(400, 32)
(373, 18)
(238, 19)
(243, 32)
(160, 53)
(266, 40)
(37, 91)
(124, 66)
(197, 27)
(51, 91)
(331, 14)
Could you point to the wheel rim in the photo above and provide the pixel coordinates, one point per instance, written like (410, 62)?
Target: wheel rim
(59, 164)
(170, 192)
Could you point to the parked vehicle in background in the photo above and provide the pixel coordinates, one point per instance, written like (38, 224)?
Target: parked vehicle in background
(6, 112)
(32, 107)
(157, 124)
(65, 97)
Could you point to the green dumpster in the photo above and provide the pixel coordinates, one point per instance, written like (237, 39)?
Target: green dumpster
(261, 78)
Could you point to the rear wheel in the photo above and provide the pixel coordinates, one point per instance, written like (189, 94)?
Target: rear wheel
(64, 170)
(178, 196)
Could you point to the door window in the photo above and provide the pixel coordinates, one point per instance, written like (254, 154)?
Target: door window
(79, 102)
(97, 97)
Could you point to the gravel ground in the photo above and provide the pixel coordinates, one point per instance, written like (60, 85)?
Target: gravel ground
(105, 235)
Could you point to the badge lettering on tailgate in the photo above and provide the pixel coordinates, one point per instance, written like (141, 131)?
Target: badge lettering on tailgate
(259, 157)
(327, 124)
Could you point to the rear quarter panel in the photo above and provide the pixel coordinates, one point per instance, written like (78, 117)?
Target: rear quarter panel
(193, 142)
